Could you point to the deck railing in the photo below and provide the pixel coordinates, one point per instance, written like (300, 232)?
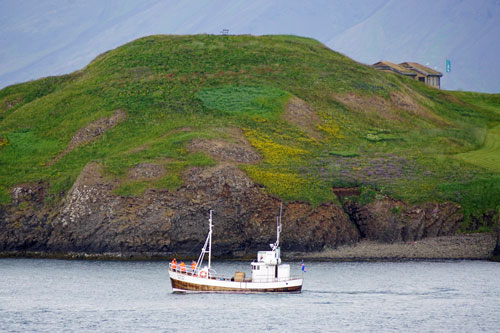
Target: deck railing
(190, 271)
(215, 276)
(295, 277)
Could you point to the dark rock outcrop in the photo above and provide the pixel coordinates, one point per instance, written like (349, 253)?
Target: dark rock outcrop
(386, 220)
(24, 223)
(94, 220)
(496, 251)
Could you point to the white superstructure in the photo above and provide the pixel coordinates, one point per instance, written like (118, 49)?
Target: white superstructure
(268, 273)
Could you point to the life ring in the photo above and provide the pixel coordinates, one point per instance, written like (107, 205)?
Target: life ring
(203, 274)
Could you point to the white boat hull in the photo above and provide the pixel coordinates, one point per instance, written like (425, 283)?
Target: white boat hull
(185, 282)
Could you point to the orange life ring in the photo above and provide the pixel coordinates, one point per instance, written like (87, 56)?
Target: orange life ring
(203, 274)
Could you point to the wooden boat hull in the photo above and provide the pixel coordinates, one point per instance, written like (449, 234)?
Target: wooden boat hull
(188, 283)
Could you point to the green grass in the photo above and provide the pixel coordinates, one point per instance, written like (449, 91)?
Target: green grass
(178, 88)
(488, 156)
(258, 101)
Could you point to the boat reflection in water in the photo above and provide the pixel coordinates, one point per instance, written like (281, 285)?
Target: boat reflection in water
(268, 273)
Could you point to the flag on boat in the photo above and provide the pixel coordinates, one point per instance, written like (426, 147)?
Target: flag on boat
(303, 267)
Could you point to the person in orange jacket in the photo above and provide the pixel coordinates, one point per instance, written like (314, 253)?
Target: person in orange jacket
(193, 266)
(182, 266)
(174, 264)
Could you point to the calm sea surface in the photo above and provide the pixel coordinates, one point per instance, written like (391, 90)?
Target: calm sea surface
(59, 295)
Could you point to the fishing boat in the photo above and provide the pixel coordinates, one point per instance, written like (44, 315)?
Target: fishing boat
(268, 273)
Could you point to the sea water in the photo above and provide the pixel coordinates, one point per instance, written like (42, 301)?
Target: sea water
(39, 295)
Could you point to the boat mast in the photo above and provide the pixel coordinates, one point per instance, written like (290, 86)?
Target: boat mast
(276, 246)
(278, 226)
(210, 241)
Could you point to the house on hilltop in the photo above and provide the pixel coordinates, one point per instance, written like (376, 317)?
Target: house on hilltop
(414, 70)
(392, 67)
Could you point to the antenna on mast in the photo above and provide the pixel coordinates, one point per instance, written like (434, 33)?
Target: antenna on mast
(278, 226)
(276, 246)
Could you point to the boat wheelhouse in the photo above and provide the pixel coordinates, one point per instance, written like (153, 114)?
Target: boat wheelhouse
(268, 273)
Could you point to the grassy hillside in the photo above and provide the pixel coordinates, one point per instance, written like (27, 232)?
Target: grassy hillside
(377, 130)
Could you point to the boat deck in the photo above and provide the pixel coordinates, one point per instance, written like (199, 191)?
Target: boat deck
(214, 276)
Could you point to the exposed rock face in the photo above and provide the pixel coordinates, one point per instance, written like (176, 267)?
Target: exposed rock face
(95, 129)
(302, 115)
(92, 132)
(146, 171)
(496, 251)
(391, 221)
(24, 224)
(94, 220)
(225, 151)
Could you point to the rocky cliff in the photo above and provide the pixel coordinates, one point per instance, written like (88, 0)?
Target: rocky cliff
(496, 251)
(389, 221)
(93, 220)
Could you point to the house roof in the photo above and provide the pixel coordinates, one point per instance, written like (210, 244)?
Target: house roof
(420, 68)
(394, 67)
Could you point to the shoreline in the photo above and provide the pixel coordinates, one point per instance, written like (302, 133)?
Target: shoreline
(459, 247)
